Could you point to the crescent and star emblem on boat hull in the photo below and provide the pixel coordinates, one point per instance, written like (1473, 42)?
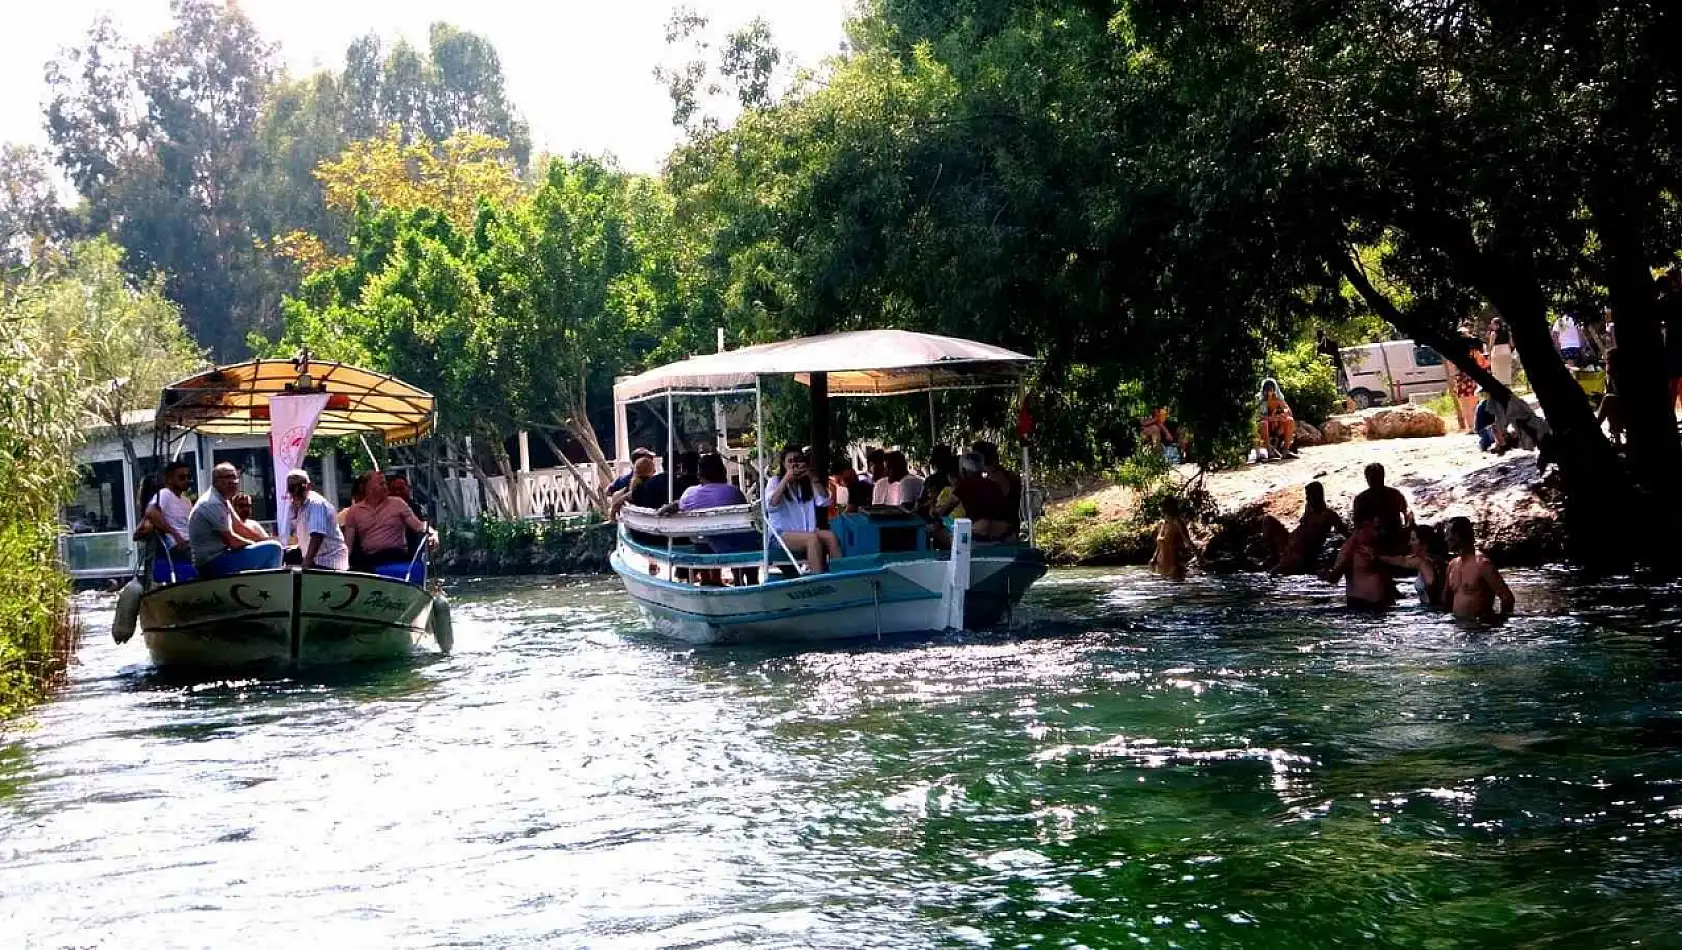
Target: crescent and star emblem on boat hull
(352, 591)
(239, 598)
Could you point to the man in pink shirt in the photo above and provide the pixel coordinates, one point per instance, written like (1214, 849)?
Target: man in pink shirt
(376, 527)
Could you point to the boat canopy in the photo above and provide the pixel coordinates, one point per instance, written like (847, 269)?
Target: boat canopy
(859, 363)
(234, 400)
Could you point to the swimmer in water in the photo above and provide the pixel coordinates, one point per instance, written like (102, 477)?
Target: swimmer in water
(1473, 585)
(1369, 584)
(1425, 558)
(1173, 543)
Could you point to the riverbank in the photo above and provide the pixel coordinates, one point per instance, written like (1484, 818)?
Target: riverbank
(1443, 477)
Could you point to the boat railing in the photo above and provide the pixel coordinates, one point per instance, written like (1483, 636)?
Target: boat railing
(690, 524)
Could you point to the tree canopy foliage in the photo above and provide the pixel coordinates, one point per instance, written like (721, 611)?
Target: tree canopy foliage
(1151, 196)
(195, 149)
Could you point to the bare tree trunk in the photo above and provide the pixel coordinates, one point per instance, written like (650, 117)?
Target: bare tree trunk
(1655, 454)
(592, 481)
(503, 507)
(510, 477)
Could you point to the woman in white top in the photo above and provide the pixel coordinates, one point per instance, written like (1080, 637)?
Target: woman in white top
(792, 501)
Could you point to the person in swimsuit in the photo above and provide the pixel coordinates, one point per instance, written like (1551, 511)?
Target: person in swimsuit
(1473, 585)
(1298, 552)
(1369, 584)
(1426, 558)
(1173, 543)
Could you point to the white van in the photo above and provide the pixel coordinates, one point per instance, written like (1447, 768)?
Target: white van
(1394, 372)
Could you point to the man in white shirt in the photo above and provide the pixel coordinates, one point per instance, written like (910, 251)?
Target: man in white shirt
(315, 525)
(901, 488)
(167, 512)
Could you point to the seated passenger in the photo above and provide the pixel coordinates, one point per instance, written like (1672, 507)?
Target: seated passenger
(845, 489)
(624, 481)
(792, 501)
(245, 525)
(219, 550)
(375, 527)
(715, 491)
(1009, 480)
(166, 512)
(316, 526)
(641, 471)
(901, 489)
(944, 461)
(662, 489)
(984, 501)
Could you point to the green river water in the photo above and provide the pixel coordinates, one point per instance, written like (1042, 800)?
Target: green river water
(1226, 763)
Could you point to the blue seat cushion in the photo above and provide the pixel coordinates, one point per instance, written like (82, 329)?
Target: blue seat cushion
(183, 571)
(399, 571)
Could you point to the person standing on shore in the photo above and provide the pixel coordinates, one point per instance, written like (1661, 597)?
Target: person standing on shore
(1474, 586)
(1466, 388)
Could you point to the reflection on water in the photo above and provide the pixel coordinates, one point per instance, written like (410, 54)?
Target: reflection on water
(1224, 763)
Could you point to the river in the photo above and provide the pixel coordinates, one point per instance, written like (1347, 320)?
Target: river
(1227, 763)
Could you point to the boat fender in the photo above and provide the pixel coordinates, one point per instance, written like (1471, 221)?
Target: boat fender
(443, 630)
(128, 612)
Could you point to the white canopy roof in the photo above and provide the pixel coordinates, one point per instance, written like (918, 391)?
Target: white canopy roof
(860, 363)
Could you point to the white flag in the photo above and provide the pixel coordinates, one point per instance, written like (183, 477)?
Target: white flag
(292, 422)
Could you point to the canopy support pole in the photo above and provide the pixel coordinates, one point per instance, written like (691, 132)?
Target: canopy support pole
(671, 436)
(1028, 493)
(759, 498)
(934, 428)
(820, 428)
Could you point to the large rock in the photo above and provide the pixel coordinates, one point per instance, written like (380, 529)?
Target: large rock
(1405, 422)
(1307, 435)
(1335, 431)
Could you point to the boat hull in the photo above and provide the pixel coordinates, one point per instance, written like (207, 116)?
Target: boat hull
(290, 617)
(899, 597)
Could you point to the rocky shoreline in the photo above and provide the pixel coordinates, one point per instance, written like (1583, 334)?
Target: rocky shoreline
(1443, 476)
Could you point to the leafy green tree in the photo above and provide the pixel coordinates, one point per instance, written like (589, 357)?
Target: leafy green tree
(158, 138)
(518, 318)
(125, 341)
(31, 219)
(1163, 192)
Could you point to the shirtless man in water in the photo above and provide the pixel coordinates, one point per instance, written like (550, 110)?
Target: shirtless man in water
(1474, 585)
(1369, 584)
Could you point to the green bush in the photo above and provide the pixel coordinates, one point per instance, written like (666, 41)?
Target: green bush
(40, 407)
(1308, 381)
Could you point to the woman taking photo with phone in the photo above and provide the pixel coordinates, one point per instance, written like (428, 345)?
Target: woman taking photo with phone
(792, 501)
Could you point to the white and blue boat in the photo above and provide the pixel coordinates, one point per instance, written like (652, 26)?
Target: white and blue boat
(890, 578)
